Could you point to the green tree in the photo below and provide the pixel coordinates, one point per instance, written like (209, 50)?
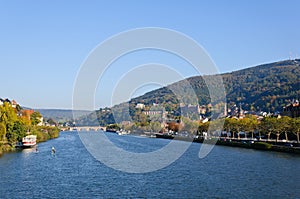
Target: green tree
(295, 127)
(285, 124)
(52, 122)
(11, 136)
(235, 127)
(35, 118)
(155, 126)
(268, 126)
(203, 127)
(8, 117)
(249, 124)
(189, 125)
(7, 114)
(2, 131)
(20, 130)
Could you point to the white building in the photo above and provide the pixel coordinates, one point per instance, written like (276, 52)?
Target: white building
(140, 106)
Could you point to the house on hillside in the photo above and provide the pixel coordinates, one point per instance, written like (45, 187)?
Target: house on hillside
(292, 110)
(140, 106)
(27, 113)
(14, 104)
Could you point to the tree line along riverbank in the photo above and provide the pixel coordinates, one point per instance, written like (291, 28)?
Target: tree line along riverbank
(16, 124)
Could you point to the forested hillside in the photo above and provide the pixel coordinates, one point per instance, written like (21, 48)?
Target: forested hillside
(266, 87)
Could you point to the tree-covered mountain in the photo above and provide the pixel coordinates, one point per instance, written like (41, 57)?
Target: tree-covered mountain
(266, 87)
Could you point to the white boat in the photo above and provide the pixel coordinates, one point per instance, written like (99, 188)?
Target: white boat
(29, 141)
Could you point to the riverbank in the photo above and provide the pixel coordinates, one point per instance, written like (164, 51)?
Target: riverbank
(43, 133)
(4, 148)
(250, 144)
(260, 146)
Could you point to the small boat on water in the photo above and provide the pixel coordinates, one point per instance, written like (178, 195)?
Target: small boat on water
(179, 137)
(164, 135)
(29, 141)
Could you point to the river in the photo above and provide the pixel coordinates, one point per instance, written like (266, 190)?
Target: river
(74, 173)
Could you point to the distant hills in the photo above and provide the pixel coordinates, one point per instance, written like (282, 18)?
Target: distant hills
(62, 115)
(266, 87)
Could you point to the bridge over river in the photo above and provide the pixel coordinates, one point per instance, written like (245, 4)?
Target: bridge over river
(84, 128)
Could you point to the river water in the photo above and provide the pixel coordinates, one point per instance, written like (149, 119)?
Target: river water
(74, 173)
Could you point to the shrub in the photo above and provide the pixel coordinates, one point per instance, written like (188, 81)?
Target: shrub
(262, 145)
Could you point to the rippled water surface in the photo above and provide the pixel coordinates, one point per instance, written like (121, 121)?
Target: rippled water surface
(73, 173)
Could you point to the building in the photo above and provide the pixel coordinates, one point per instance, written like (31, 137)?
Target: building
(140, 106)
(27, 113)
(292, 110)
(13, 103)
(190, 109)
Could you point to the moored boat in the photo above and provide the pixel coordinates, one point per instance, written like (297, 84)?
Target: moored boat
(29, 141)
(164, 135)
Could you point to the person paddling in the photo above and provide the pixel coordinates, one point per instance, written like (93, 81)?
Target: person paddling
(53, 151)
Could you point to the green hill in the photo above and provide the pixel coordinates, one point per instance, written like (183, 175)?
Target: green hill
(266, 87)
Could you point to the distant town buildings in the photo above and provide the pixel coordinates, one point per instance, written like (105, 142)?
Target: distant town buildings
(292, 109)
(190, 109)
(231, 110)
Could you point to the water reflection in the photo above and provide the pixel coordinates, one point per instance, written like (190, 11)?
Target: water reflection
(27, 151)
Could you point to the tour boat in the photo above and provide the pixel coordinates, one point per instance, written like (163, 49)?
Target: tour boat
(29, 141)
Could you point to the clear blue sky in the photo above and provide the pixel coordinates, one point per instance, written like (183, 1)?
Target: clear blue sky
(43, 43)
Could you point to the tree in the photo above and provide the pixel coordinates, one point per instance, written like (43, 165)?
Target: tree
(285, 124)
(35, 118)
(174, 126)
(203, 127)
(2, 131)
(11, 136)
(235, 127)
(20, 130)
(141, 118)
(7, 114)
(227, 126)
(295, 127)
(18, 108)
(52, 122)
(249, 124)
(155, 126)
(268, 125)
(8, 117)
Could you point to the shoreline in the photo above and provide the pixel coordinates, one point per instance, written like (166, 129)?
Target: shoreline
(263, 146)
(257, 145)
(8, 147)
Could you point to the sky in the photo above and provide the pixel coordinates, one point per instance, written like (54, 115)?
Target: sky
(43, 44)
